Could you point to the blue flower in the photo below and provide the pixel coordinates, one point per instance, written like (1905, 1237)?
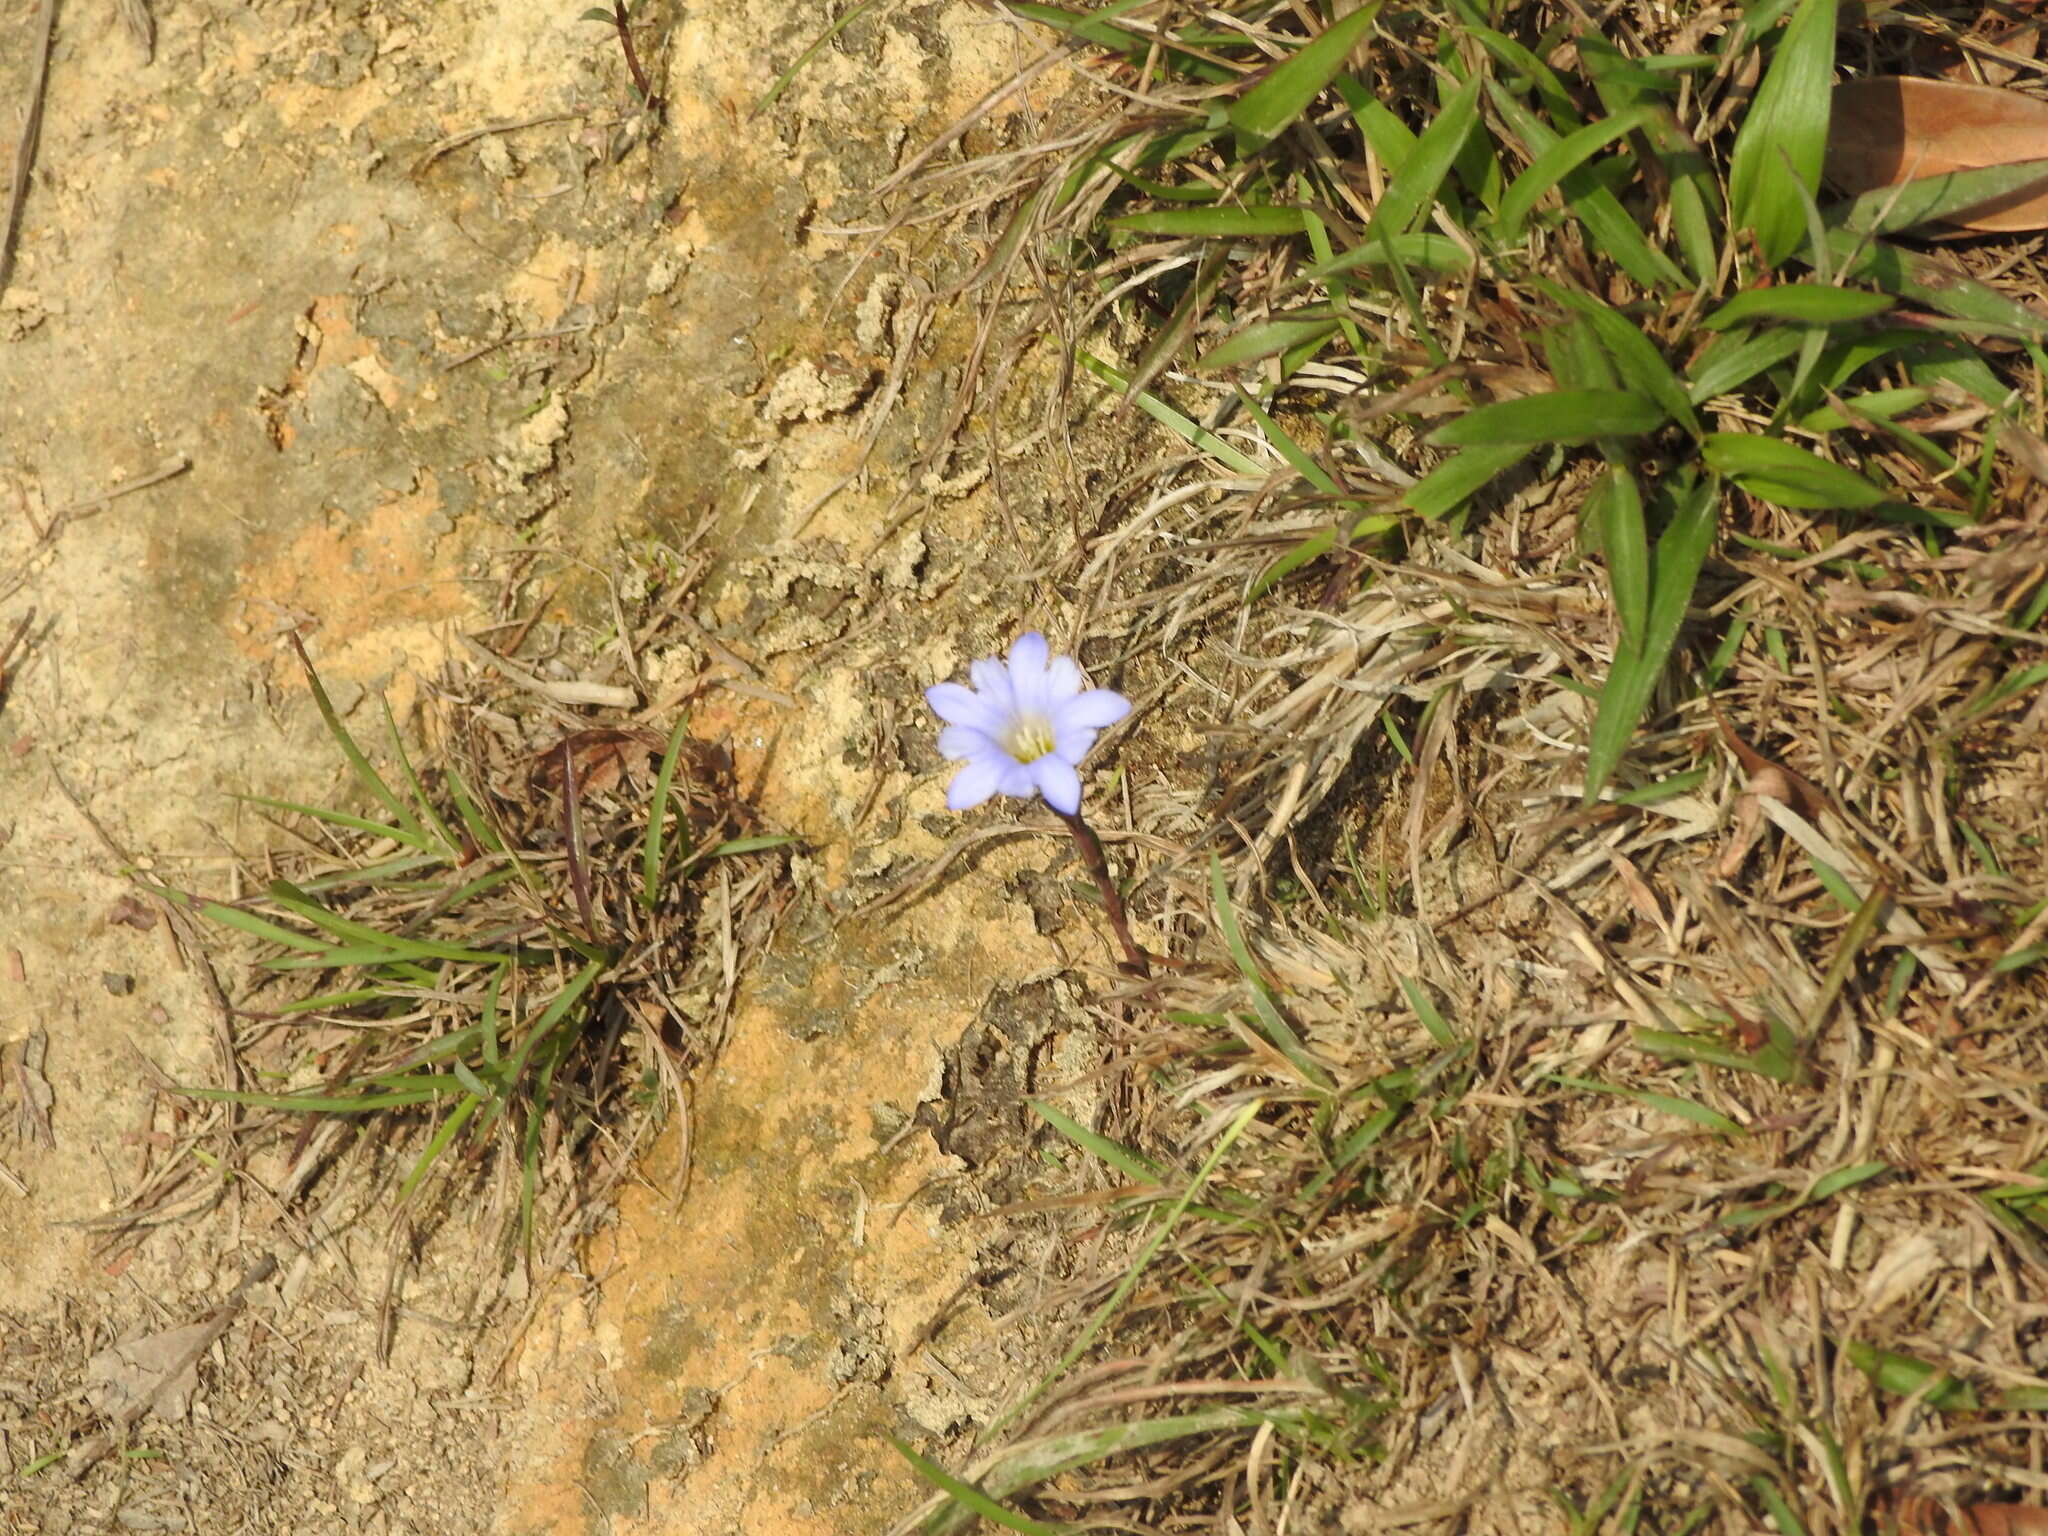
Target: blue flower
(1023, 728)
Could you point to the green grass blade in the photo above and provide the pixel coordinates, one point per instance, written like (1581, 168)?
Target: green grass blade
(1631, 682)
(1784, 473)
(1562, 416)
(651, 851)
(970, 1498)
(1924, 280)
(1095, 27)
(288, 896)
(480, 833)
(1802, 303)
(1772, 1061)
(1615, 509)
(1267, 338)
(1297, 457)
(1730, 360)
(1265, 111)
(1774, 168)
(235, 917)
(1609, 226)
(444, 1133)
(1692, 199)
(1317, 545)
(341, 819)
(409, 829)
(1278, 1030)
(1459, 478)
(1829, 1185)
(1636, 358)
(1556, 162)
(1213, 223)
(1902, 1376)
(1196, 436)
(420, 798)
(1390, 139)
(1684, 1109)
(1933, 199)
(1113, 1153)
(1413, 190)
(1423, 248)
(784, 80)
(322, 1103)
(1426, 1010)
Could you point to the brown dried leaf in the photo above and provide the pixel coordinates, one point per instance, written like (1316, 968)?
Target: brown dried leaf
(159, 1372)
(1898, 128)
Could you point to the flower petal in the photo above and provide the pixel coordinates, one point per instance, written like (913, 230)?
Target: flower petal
(992, 682)
(1093, 710)
(1063, 680)
(972, 785)
(962, 706)
(1074, 744)
(1028, 673)
(1030, 652)
(1058, 782)
(1013, 778)
(958, 741)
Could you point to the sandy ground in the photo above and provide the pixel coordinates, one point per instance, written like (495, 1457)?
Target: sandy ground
(409, 323)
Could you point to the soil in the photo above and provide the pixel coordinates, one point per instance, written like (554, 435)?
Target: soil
(382, 325)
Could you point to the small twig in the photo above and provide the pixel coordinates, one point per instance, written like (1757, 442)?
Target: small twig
(90, 505)
(455, 141)
(1136, 961)
(31, 130)
(46, 533)
(88, 1452)
(506, 341)
(599, 695)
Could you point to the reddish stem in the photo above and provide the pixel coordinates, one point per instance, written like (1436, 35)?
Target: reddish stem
(1136, 961)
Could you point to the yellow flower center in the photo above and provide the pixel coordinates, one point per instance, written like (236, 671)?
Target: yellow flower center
(1029, 738)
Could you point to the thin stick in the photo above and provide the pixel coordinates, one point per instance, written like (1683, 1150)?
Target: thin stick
(455, 141)
(31, 130)
(1136, 961)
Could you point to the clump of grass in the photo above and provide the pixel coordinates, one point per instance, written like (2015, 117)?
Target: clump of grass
(518, 952)
(1597, 1075)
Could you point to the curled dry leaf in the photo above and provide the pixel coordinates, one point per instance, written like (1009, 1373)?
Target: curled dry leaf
(1771, 782)
(159, 1372)
(1897, 128)
(1902, 1269)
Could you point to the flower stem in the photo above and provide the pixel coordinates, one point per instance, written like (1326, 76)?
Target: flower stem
(1136, 961)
